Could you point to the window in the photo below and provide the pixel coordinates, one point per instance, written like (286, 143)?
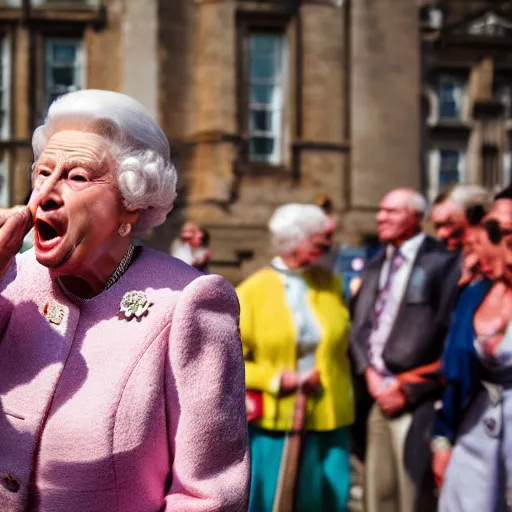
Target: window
(446, 166)
(5, 87)
(450, 167)
(64, 67)
(450, 92)
(267, 77)
(5, 200)
(507, 168)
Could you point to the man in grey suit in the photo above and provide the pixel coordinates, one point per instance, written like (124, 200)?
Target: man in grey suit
(400, 319)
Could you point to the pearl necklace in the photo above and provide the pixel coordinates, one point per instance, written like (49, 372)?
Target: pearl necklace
(123, 266)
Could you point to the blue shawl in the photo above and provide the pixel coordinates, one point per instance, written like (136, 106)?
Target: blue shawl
(461, 365)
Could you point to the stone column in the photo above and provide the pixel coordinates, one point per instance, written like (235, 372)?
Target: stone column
(385, 91)
(140, 55)
(323, 100)
(479, 90)
(214, 117)
(105, 51)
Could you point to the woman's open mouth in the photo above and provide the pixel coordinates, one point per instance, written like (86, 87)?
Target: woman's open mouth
(48, 235)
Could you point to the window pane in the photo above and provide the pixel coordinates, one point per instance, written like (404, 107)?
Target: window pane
(63, 68)
(264, 44)
(448, 110)
(261, 148)
(4, 181)
(261, 120)
(63, 76)
(450, 97)
(262, 68)
(448, 178)
(63, 53)
(449, 168)
(262, 93)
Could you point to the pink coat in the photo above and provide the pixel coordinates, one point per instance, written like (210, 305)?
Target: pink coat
(101, 414)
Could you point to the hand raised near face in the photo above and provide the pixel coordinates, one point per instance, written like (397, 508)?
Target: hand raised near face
(15, 223)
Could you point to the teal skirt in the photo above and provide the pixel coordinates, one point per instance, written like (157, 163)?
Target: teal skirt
(324, 479)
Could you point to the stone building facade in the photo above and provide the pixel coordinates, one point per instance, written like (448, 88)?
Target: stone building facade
(271, 101)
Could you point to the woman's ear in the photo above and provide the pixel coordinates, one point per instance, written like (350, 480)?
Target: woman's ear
(132, 217)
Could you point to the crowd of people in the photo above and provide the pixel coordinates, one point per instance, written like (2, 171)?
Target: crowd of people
(122, 369)
(426, 363)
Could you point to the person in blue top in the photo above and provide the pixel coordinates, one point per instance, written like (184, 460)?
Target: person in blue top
(473, 429)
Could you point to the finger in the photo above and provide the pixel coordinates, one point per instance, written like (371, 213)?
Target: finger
(33, 202)
(5, 213)
(25, 219)
(13, 231)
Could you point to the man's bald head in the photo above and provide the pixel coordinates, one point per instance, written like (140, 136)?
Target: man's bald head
(400, 215)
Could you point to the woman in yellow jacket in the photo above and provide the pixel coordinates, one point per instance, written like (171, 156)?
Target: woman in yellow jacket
(294, 330)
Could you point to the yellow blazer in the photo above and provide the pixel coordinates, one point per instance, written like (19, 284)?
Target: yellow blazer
(269, 341)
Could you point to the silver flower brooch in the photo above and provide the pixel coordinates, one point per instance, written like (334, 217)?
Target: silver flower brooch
(134, 304)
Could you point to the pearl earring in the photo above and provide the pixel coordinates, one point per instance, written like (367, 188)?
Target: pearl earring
(125, 229)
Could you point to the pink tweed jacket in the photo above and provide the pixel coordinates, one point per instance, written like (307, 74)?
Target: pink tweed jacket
(102, 414)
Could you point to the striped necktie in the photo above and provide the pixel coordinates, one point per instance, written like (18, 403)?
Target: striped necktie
(384, 292)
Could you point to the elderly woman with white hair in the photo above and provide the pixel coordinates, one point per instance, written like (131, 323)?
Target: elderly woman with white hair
(294, 330)
(121, 372)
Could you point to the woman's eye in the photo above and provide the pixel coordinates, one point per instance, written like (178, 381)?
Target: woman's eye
(44, 173)
(78, 177)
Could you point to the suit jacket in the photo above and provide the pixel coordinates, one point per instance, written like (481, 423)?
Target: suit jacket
(105, 414)
(416, 339)
(417, 336)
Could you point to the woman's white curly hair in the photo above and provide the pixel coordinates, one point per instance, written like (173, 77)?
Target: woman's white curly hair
(292, 223)
(145, 175)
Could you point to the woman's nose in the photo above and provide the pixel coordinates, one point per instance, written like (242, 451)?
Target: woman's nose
(47, 194)
(50, 202)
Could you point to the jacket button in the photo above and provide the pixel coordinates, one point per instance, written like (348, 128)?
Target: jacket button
(10, 483)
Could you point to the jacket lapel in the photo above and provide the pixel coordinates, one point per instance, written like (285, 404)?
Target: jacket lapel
(417, 274)
(370, 289)
(364, 311)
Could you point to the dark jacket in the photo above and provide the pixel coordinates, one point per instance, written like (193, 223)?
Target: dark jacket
(416, 339)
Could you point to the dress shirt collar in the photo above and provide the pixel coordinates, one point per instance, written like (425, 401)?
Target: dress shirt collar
(279, 265)
(409, 249)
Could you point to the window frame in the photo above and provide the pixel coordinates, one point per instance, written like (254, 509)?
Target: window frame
(248, 23)
(278, 81)
(79, 64)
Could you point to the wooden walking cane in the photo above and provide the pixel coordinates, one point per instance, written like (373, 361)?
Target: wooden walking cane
(284, 498)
